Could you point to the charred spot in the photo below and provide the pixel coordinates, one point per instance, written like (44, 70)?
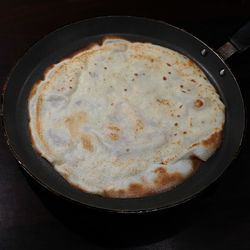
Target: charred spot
(33, 90)
(180, 106)
(47, 70)
(105, 67)
(183, 91)
(192, 80)
(196, 161)
(176, 124)
(70, 87)
(125, 90)
(185, 132)
(164, 178)
(135, 188)
(175, 134)
(198, 103)
(214, 141)
(204, 78)
(169, 73)
(181, 86)
(113, 193)
(164, 78)
(135, 74)
(169, 64)
(127, 150)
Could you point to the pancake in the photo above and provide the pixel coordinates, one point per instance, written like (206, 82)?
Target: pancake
(125, 119)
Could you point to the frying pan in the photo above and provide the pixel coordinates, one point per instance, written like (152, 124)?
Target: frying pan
(73, 37)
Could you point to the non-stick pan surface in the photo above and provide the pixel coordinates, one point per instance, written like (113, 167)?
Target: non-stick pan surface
(71, 38)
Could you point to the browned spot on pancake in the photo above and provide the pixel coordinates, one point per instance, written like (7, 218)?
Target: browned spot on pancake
(176, 124)
(169, 73)
(183, 91)
(172, 115)
(180, 106)
(178, 116)
(181, 86)
(133, 79)
(70, 87)
(143, 74)
(127, 150)
(152, 60)
(169, 64)
(113, 193)
(86, 143)
(114, 128)
(185, 132)
(191, 123)
(198, 103)
(139, 125)
(105, 67)
(135, 188)
(213, 141)
(195, 162)
(125, 90)
(175, 134)
(163, 101)
(164, 78)
(74, 123)
(192, 80)
(112, 104)
(136, 74)
(204, 78)
(113, 136)
(163, 178)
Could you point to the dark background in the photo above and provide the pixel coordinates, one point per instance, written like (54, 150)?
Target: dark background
(32, 218)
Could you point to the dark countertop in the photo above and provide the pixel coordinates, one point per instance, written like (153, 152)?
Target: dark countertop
(32, 218)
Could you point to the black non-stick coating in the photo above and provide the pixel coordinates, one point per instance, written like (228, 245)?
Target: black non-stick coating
(68, 39)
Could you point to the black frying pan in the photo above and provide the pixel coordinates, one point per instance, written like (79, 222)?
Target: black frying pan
(71, 38)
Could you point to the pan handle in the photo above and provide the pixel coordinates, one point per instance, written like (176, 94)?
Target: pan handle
(239, 42)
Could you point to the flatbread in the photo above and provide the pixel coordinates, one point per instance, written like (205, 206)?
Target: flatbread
(125, 119)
